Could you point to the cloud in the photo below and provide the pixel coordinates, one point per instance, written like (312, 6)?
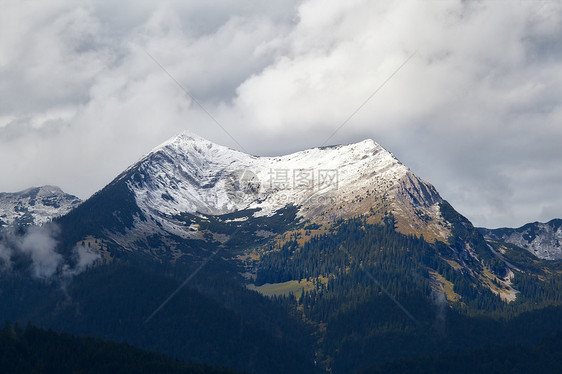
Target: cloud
(84, 258)
(39, 245)
(80, 110)
(475, 111)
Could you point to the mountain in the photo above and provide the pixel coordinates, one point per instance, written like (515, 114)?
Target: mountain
(189, 197)
(183, 186)
(329, 259)
(34, 206)
(189, 174)
(544, 240)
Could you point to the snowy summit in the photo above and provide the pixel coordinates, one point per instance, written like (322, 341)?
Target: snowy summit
(189, 174)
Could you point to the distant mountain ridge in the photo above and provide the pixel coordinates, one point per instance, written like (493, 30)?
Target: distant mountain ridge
(544, 240)
(35, 206)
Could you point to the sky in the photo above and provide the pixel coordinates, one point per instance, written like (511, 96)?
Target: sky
(465, 93)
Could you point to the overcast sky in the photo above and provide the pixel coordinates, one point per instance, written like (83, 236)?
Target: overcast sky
(475, 110)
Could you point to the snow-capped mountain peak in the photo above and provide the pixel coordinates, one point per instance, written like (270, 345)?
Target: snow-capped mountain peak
(186, 141)
(189, 174)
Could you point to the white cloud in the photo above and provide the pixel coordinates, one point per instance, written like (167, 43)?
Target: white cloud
(39, 243)
(84, 257)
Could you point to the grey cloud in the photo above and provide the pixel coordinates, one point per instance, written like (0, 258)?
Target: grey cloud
(24, 126)
(53, 60)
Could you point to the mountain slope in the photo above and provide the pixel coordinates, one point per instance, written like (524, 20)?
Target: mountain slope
(544, 240)
(34, 206)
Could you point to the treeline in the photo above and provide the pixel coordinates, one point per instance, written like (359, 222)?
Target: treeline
(34, 350)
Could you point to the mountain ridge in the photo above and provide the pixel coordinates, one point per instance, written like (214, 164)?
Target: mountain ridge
(542, 239)
(35, 205)
(190, 195)
(220, 180)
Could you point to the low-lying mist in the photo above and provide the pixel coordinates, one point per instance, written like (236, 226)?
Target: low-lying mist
(34, 251)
